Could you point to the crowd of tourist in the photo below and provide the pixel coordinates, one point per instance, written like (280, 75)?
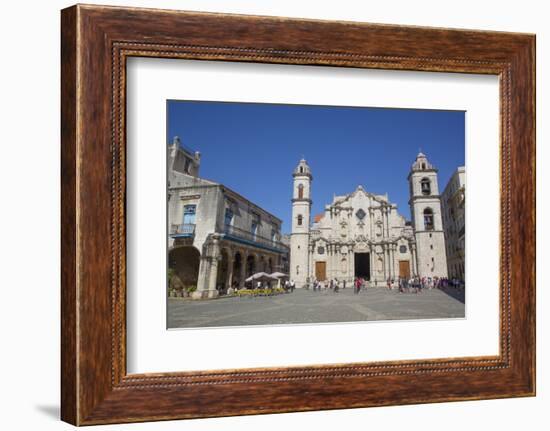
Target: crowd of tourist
(361, 284)
(402, 284)
(334, 285)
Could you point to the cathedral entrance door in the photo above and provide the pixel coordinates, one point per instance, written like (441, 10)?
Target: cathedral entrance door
(404, 269)
(362, 265)
(321, 271)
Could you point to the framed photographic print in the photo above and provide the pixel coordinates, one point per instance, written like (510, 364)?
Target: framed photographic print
(268, 215)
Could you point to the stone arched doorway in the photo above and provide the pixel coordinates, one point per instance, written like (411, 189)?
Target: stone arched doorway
(183, 266)
(223, 271)
(250, 265)
(237, 264)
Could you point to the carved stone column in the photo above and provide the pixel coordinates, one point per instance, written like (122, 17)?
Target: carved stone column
(214, 264)
(371, 262)
(383, 212)
(395, 261)
(351, 262)
(414, 259)
(392, 260)
(208, 269)
(388, 261)
(330, 261)
(371, 223)
(387, 222)
(310, 269)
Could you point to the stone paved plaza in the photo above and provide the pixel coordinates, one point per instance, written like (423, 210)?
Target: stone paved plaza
(306, 306)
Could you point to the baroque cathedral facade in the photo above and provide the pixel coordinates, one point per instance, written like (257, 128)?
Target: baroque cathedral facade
(362, 234)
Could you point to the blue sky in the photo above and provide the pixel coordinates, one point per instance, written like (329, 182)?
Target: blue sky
(253, 148)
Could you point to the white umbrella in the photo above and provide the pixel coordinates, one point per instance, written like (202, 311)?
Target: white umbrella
(261, 276)
(279, 276)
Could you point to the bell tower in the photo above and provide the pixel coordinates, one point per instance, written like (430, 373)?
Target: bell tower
(425, 204)
(301, 209)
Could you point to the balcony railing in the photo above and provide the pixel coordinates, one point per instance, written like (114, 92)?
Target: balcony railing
(254, 239)
(187, 229)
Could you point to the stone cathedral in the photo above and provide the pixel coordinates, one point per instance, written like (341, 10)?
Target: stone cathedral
(361, 234)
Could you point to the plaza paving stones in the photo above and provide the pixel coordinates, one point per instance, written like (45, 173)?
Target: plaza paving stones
(306, 306)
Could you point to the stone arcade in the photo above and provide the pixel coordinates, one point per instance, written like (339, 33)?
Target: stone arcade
(217, 237)
(361, 234)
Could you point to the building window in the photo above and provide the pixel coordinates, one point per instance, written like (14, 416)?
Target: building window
(189, 214)
(428, 219)
(297, 269)
(425, 186)
(423, 165)
(187, 164)
(301, 169)
(402, 249)
(360, 214)
(300, 220)
(320, 250)
(228, 220)
(274, 235)
(301, 191)
(254, 229)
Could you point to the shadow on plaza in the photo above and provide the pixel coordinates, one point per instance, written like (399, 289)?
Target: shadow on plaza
(458, 294)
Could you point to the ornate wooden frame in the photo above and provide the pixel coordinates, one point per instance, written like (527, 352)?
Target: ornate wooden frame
(95, 42)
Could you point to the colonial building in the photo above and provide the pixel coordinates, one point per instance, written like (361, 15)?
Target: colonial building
(217, 238)
(453, 203)
(362, 234)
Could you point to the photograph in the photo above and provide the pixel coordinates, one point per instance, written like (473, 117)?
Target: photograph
(253, 215)
(282, 214)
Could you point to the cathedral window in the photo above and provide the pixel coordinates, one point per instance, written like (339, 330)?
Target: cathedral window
(360, 214)
(301, 169)
(425, 186)
(428, 219)
(321, 250)
(300, 220)
(301, 191)
(403, 249)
